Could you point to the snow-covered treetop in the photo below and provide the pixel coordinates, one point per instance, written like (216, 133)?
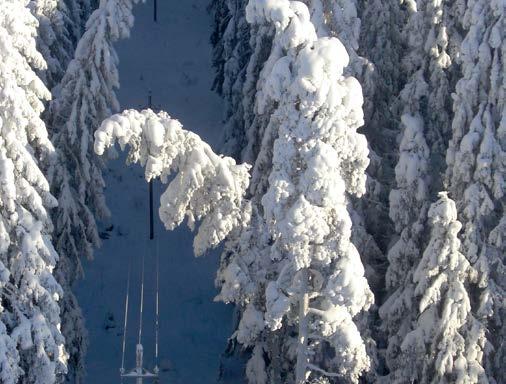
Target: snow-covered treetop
(290, 18)
(441, 352)
(207, 187)
(313, 79)
(442, 255)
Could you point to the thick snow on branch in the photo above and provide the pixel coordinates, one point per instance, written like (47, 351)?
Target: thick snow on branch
(207, 187)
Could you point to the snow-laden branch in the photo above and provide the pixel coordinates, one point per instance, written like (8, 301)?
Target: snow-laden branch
(207, 187)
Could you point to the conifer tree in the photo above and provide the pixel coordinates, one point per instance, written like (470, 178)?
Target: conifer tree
(32, 344)
(304, 263)
(425, 124)
(84, 98)
(437, 349)
(87, 97)
(476, 171)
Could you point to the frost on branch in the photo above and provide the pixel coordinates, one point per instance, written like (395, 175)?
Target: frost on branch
(207, 187)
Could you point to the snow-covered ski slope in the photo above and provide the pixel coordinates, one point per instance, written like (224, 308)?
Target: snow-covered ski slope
(172, 59)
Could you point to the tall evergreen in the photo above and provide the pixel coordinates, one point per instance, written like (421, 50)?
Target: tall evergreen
(32, 344)
(85, 97)
(476, 171)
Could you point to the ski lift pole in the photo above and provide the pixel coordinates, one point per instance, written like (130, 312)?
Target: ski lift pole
(151, 218)
(155, 11)
(139, 373)
(157, 305)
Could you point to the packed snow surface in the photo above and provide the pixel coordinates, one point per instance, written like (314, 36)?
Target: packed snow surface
(170, 58)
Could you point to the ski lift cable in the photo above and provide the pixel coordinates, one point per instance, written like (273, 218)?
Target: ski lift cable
(151, 237)
(141, 307)
(126, 315)
(157, 318)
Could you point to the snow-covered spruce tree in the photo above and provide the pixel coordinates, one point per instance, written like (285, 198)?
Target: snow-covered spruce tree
(476, 171)
(84, 99)
(408, 210)
(297, 255)
(337, 18)
(425, 124)
(207, 189)
(382, 47)
(437, 343)
(318, 157)
(32, 348)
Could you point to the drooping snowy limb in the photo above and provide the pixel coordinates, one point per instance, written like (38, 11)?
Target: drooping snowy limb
(441, 278)
(54, 37)
(207, 187)
(476, 168)
(32, 348)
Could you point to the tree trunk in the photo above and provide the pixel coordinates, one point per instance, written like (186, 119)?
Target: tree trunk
(301, 367)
